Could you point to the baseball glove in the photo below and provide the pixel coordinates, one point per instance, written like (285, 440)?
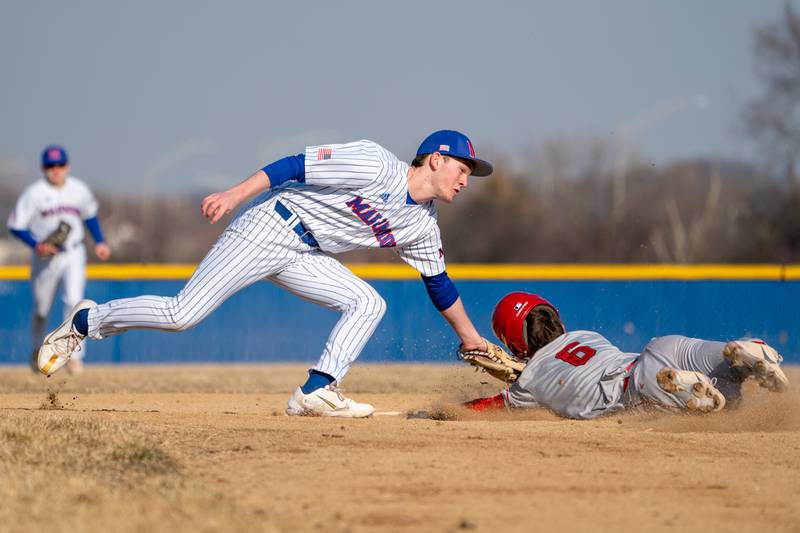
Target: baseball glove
(495, 362)
(59, 235)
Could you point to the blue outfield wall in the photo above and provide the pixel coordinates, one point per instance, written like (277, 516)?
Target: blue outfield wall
(265, 324)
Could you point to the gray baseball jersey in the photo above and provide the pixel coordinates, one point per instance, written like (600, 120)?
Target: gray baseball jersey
(582, 375)
(578, 375)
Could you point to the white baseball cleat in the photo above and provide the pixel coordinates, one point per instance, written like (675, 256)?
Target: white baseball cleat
(761, 360)
(59, 345)
(326, 401)
(693, 389)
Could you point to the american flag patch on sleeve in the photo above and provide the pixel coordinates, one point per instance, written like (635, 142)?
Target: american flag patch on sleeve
(324, 153)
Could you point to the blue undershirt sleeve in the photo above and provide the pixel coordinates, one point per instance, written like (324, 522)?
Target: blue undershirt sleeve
(442, 291)
(25, 236)
(291, 168)
(94, 228)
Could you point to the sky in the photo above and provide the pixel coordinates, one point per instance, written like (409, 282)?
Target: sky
(182, 96)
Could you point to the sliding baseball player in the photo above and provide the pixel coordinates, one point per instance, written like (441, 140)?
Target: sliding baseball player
(580, 374)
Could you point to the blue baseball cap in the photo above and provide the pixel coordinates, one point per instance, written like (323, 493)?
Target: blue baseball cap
(54, 155)
(456, 144)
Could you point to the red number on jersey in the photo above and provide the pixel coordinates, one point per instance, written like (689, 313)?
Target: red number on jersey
(575, 354)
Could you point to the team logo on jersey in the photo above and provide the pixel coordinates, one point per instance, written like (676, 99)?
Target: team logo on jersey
(372, 218)
(441, 253)
(59, 209)
(324, 153)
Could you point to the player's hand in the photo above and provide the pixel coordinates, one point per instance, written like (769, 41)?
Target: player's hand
(45, 249)
(217, 205)
(480, 344)
(102, 251)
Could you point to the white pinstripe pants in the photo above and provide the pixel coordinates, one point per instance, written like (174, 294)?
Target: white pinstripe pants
(258, 244)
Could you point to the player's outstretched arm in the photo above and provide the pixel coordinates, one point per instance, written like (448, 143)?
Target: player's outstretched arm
(219, 204)
(456, 315)
(445, 298)
(492, 403)
(290, 168)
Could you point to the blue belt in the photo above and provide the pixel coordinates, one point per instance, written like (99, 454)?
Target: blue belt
(300, 228)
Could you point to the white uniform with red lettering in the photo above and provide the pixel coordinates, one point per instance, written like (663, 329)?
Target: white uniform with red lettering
(582, 375)
(355, 196)
(40, 209)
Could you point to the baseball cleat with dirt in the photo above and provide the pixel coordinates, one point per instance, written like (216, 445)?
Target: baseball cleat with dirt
(693, 389)
(326, 401)
(59, 345)
(761, 360)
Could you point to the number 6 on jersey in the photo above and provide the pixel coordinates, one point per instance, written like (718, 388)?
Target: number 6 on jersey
(575, 354)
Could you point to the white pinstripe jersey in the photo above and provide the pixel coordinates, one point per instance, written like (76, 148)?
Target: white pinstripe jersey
(42, 206)
(578, 375)
(354, 196)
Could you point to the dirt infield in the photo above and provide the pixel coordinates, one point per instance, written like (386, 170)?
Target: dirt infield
(206, 448)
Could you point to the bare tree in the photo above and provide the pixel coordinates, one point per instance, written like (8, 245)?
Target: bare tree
(773, 119)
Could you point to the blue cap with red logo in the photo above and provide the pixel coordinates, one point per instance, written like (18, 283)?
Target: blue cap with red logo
(455, 144)
(54, 155)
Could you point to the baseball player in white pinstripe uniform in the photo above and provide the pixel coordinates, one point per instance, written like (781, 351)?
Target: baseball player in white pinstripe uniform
(580, 374)
(59, 204)
(329, 199)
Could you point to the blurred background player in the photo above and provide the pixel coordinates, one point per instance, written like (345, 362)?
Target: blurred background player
(580, 374)
(49, 217)
(329, 199)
